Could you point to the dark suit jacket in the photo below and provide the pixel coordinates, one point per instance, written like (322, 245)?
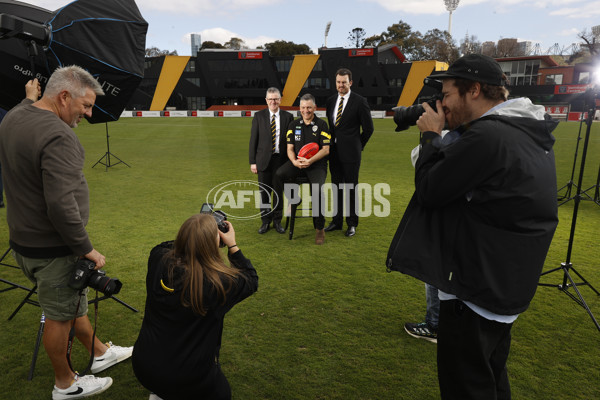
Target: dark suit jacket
(261, 141)
(347, 141)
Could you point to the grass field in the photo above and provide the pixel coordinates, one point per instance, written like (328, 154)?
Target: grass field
(327, 321)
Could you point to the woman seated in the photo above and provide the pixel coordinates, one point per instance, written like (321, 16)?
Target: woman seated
(190, 288)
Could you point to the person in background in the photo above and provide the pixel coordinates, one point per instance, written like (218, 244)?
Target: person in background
(308, 129)
(347, 113)
(268, 152)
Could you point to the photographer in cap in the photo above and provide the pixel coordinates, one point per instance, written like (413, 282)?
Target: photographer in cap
(480, 222)
(47, 203)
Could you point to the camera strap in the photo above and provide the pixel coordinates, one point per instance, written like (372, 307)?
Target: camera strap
(72, 336)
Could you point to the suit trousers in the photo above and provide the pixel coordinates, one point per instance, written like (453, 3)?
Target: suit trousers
(288, 173)
(269, 193)
(471, 354)
(344, 173)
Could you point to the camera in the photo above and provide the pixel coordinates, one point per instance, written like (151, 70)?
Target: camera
(85, 274)
(404, 117)
(218, 215)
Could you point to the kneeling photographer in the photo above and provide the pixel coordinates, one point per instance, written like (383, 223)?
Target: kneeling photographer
(480, 222)
(190, 288)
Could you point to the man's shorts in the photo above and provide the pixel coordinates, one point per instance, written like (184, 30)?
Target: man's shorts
(58, 301)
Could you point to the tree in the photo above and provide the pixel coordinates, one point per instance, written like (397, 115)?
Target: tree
(437, 45)
(400, 34)
(211, 45)
(356, 37)
(156, 52)
(508, 48)
(470, 45)
(235, 44)
(283, 48)
(590, 42)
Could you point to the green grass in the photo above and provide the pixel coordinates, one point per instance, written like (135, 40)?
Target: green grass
(327, 321)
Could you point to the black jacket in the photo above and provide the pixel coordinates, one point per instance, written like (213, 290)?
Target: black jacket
(175, 346)
(483, 214)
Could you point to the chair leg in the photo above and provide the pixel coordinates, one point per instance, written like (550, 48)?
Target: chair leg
(292, 219)
(25, 300)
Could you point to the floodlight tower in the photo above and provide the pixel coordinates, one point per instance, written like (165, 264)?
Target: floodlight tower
(450, 6)
(327, 27)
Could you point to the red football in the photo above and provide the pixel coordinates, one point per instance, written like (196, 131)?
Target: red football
(309, 150)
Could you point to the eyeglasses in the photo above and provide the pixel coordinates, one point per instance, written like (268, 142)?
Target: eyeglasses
(275, 99)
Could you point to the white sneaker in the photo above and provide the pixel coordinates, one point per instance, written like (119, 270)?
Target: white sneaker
(154, 397)
(114, 354)
(84, 386)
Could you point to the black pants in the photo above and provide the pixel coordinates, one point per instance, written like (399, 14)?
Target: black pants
(316, 175)
(268, 192)
(344, 173)
(471, 354)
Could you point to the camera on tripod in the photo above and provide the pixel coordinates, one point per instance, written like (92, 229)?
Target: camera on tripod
(405, 117)
(85, 274)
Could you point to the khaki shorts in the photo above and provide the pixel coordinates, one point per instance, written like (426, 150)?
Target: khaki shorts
(51, 275)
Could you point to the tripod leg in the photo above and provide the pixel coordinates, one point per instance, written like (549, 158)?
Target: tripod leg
(581, 301)
(37, 347)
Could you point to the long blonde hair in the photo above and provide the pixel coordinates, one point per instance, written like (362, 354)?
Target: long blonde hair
(196, 253)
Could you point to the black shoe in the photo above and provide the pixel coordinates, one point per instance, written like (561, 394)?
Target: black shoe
(263, 228)
(333, 227)
(277, 226)
(1, 204)
(351, 231)
(421, 331)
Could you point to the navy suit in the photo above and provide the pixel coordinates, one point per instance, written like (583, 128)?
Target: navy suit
(347, 143)
(267, 162)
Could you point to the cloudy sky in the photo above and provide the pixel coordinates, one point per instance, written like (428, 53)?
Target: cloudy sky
(261, 21)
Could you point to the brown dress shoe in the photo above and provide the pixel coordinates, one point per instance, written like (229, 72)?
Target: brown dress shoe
(320, 237)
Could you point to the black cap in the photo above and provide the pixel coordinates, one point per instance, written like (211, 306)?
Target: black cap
(474, 67)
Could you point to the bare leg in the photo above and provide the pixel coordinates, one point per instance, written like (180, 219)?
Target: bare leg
(56, 337)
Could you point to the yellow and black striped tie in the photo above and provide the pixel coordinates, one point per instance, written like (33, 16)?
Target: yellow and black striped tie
(339, 112)
(273, 132)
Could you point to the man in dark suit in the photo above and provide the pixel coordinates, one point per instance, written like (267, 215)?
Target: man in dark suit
(268, 151)
(347, 113)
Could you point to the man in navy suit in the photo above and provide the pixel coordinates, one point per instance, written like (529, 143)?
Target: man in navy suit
(268, 151)
(347, 113)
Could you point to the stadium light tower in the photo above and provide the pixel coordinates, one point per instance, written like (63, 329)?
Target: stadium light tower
(327, 27)
(450, 6)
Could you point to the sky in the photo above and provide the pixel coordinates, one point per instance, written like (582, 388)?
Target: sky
(257, 22)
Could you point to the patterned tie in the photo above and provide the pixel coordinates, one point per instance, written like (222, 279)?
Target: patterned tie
(339, 111)
(273, 132)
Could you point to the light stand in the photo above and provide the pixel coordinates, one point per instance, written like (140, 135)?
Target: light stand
(567, 266)
(105, 159)
(569, 185)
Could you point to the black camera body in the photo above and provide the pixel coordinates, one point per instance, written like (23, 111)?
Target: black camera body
(405, 117)
(85, 274)
(219, 216)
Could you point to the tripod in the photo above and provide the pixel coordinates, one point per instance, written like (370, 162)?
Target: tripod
(105, 159)
(569, 185)
(567, 266)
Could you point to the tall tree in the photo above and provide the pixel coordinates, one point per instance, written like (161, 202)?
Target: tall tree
(356, 37)
(437, 45)
(400, 34)
(283, 48)
(235, 44)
